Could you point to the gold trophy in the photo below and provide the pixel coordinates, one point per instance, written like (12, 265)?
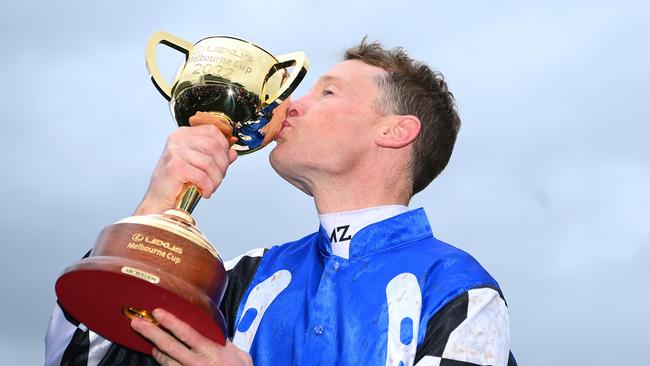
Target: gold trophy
(163, 261)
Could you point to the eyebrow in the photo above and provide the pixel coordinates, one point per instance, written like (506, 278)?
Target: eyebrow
(330, 78)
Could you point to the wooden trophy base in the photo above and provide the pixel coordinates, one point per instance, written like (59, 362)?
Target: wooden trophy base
(140, 264)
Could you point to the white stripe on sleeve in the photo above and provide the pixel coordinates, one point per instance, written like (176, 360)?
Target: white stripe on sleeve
(58, 336)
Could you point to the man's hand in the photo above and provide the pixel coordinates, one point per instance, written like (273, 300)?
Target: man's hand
(199, 154)
(185, 346)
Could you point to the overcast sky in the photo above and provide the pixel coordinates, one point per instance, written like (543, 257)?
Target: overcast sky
(548, 187)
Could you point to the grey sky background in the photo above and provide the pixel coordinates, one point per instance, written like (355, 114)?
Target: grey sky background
(548, 187)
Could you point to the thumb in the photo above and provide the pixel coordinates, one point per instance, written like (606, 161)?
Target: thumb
(232, 155)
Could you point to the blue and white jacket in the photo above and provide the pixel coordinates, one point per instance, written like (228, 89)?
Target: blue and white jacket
(401, 298)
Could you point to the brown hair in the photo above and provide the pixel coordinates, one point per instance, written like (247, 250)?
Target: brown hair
(411, 88)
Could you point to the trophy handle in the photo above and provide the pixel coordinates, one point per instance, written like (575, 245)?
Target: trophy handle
(300, 63)
(169, 40)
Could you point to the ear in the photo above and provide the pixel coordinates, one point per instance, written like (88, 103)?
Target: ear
(398, 131)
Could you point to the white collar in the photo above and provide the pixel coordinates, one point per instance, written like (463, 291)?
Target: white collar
(341, 226)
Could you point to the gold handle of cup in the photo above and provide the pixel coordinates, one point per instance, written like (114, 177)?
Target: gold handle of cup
(300, 63)
(169, 40)
(188, 198)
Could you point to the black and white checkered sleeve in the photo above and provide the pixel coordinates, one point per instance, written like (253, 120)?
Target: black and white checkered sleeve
(240, 274)
(471, 330)
(70, 343)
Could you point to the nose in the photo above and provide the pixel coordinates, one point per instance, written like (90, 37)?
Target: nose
(296, 107)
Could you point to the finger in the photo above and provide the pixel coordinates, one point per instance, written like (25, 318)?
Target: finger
(232, 156)
(213, 145)
(188, 137)
(189, 165)
(214, 167)
(204, 118)
(188, 173)
(164, 359)
(182, 331)
(225, 127)
(244, 357)
(201, 118)
(169, 345)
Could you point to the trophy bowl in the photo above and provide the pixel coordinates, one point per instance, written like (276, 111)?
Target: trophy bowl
(145, 262)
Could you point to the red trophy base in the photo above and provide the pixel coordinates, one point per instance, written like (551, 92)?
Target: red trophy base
(136, 267)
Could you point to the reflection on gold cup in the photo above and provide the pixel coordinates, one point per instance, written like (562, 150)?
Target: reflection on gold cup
(163, 261)
(233, 78)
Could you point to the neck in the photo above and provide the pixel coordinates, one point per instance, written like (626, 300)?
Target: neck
(340, 196)
(377, 180)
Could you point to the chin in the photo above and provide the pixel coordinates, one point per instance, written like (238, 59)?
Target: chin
(286, 168)
(277, 160)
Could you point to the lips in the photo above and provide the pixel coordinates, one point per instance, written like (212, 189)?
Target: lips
(285, 124)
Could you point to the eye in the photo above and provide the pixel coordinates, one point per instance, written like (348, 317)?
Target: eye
(327, 92)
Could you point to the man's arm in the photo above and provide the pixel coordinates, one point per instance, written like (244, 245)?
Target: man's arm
(471, 330)
(200, 155)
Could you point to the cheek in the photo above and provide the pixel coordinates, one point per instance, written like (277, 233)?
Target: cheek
(352, 134)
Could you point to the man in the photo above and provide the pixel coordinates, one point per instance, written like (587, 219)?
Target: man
(372, 286)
